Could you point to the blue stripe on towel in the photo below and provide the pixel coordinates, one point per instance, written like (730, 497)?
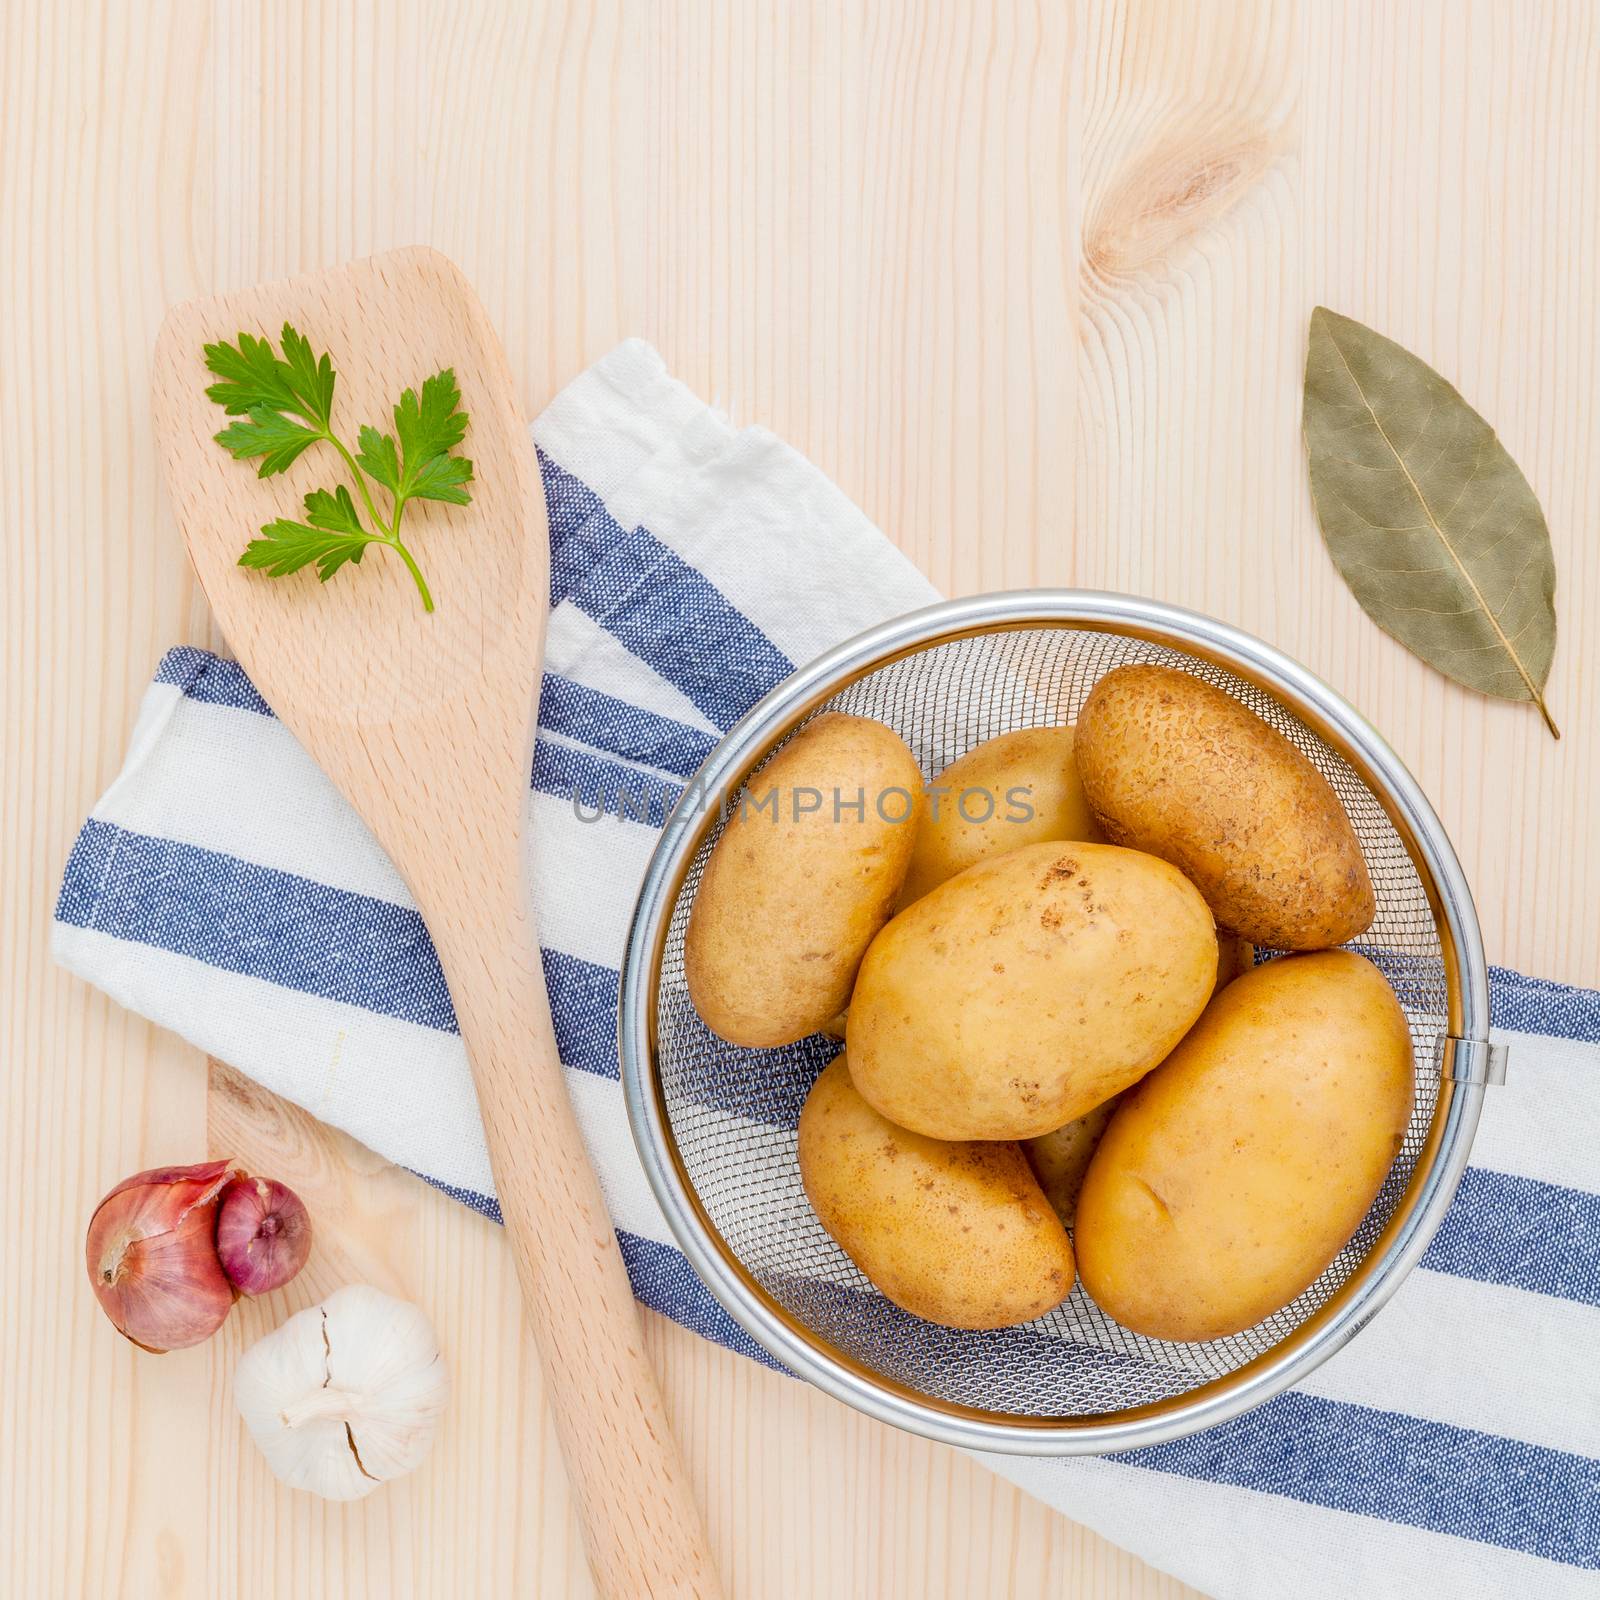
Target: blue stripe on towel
(1536, 1005)
(583, 1008)
(302, 935)
(210, 679)
(601, 720)
(647, 596)
(1515, 1231)
(276, 926)
(596, 786)
(662, 1279)
(665, 1282)
(561, 770)
(565, 708)
(1405, 1469)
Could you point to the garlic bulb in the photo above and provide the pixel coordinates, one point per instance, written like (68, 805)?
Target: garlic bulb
(345, 1395)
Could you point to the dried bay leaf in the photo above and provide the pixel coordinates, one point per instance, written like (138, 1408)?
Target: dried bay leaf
(1426, 516)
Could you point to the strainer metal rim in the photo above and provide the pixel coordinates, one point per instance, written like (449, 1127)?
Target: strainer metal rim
(1404, 1239)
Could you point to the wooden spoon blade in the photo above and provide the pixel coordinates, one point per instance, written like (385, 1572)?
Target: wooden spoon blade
(360, 648)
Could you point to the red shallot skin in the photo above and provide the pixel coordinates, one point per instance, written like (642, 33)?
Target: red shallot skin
(263, 1234)
(152, 1257)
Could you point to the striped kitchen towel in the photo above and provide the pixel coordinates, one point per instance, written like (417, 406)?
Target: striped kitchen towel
(222, 888)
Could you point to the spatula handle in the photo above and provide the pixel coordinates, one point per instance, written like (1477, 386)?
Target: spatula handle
(640, 1523)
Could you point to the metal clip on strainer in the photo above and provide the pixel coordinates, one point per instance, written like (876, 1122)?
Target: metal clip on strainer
(715, 1124)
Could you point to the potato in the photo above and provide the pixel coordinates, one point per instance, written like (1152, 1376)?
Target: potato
(958, 1234)
(1009, 791)
(805, 873)
(1237, 1170)
(1029, 989)
(1061, 1158)
(1176, 767)
(1235, 957)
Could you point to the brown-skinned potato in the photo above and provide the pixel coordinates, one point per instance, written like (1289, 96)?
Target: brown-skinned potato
(1234, 1173)
(1015, 789)
(1174, 766)
(1061, 1157)
(958, 1234)
(1235, 957)
(1029, 989)
(789, 902)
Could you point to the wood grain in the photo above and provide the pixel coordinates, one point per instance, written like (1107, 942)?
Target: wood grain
(1031, 282)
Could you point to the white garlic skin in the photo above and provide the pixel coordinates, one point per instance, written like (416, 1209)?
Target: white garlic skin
(360, 1369)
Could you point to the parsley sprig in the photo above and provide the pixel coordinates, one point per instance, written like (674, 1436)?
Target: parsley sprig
(285, 404)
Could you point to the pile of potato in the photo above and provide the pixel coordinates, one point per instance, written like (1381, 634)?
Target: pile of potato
(1051, 1015)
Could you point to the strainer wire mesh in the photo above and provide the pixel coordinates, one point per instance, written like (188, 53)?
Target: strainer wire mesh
(732, 1111)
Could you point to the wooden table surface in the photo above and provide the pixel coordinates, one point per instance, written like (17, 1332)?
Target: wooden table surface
(1030, 282)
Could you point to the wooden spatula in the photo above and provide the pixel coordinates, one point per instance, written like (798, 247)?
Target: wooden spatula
(425, 723)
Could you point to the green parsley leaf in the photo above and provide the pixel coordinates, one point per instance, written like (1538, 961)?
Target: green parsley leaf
(287, 405)
(428, 428)
(310, 378)
(253, 375)
(420, 466)
(378, 456)
(442, 479)
(277, 439)
(331, 535)
(286, 547)
(334, 512)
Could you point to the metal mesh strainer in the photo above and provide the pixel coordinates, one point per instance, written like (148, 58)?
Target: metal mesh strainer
(715, 1123)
